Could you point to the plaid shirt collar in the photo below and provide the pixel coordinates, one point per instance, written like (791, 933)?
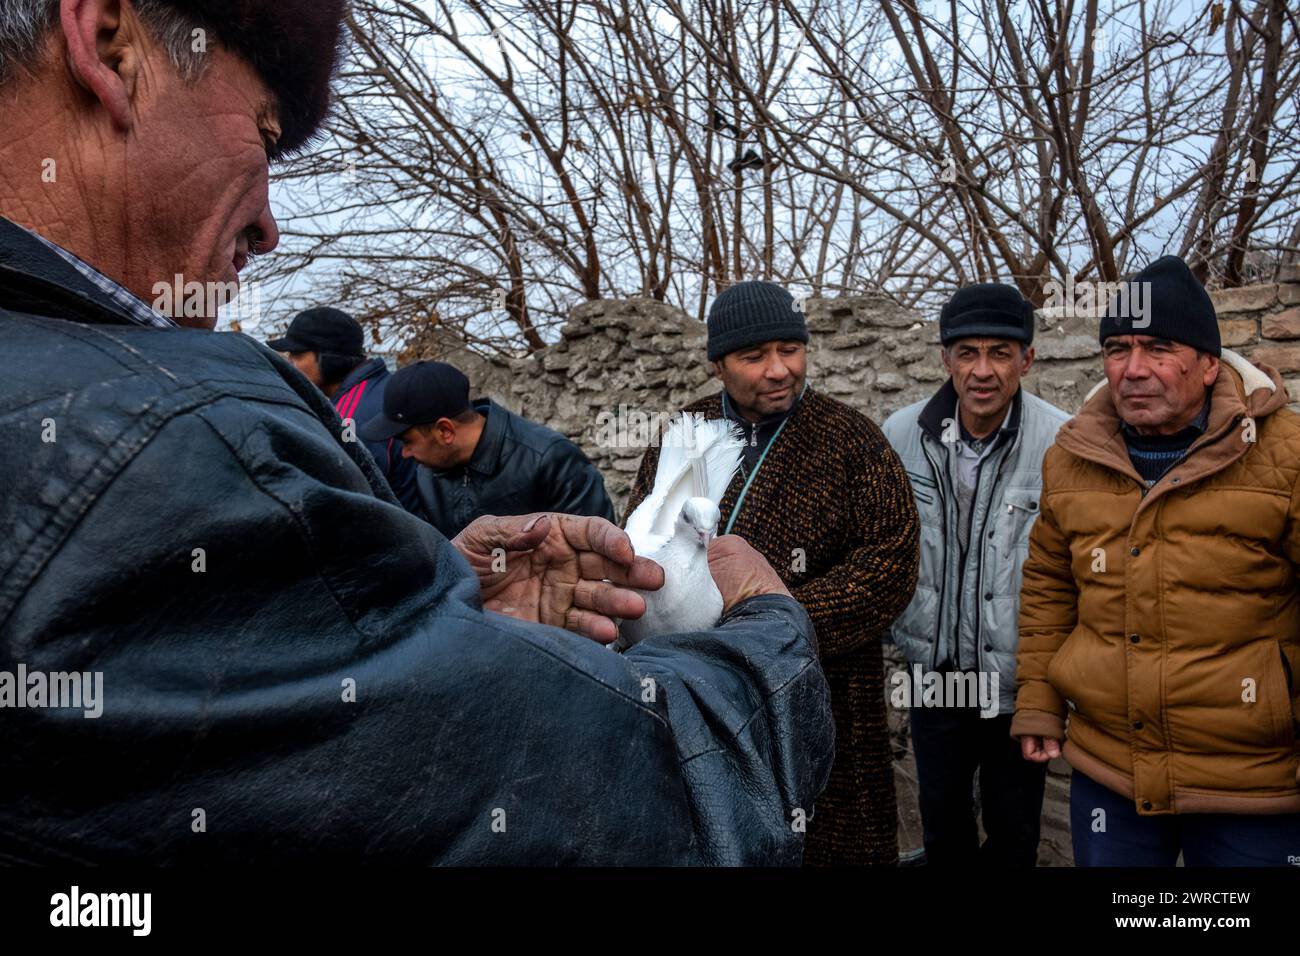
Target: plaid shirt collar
(135, 309)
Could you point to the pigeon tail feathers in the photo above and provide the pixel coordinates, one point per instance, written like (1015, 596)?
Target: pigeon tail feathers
(697, 459)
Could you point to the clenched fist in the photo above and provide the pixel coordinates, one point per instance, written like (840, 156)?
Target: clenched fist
(741, 572)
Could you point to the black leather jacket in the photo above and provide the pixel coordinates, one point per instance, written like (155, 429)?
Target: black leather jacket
(517, 468)
(296, 668)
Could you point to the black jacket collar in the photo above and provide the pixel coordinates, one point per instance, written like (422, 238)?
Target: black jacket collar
(486, 459)
(34, 279)
(487, 453)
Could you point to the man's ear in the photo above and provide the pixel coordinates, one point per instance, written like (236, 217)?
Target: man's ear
(1211, 370)
(103, 52)
(717, 368)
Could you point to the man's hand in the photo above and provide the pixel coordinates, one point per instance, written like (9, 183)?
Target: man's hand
(1039, 749)
(558, 569)
(741, 572)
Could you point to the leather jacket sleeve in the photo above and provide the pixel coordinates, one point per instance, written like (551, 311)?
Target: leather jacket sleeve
(295, 669)
(573, 481)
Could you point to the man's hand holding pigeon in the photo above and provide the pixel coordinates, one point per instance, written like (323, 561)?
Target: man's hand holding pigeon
(571, 571)
(577, 572)
(741, 572)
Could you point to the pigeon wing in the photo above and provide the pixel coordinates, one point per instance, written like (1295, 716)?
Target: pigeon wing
(697, 459)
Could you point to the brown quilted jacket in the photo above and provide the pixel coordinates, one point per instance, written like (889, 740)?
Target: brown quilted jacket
(832, 511)
(1165, 624)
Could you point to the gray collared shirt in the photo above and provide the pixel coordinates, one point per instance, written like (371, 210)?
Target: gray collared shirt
(969, 453)
(966, 458)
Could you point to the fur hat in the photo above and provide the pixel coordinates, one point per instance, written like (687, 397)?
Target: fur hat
(293, 45)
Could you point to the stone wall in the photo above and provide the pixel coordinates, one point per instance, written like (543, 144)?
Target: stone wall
(868, 351)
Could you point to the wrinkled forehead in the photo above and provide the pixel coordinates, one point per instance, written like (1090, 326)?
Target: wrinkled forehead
(983, 343)
(292, 47)
(243, 89)
(772, 344)
(1141, 341)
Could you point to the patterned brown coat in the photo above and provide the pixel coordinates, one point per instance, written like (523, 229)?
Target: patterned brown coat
(832, 511)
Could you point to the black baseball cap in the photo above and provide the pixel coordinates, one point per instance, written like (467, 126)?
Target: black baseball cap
(987, 310)
(416, 395)
(322, 330)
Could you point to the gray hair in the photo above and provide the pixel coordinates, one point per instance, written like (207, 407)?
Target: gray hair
(26, 24)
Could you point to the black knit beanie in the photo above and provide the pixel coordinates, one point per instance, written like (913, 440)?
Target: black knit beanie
(1175, 306)
(987, 309)
(750, 313)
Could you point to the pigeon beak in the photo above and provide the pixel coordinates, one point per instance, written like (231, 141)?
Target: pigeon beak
(706, 535)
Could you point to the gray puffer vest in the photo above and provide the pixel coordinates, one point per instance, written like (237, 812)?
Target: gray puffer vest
(1004, 509)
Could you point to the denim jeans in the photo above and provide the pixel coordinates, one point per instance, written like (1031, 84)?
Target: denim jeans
(1106, 830)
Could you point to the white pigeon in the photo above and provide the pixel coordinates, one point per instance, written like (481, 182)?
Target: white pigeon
(675, 523)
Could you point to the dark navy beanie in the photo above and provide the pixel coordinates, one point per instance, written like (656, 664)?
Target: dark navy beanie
(1176, 307)
(750, 313)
